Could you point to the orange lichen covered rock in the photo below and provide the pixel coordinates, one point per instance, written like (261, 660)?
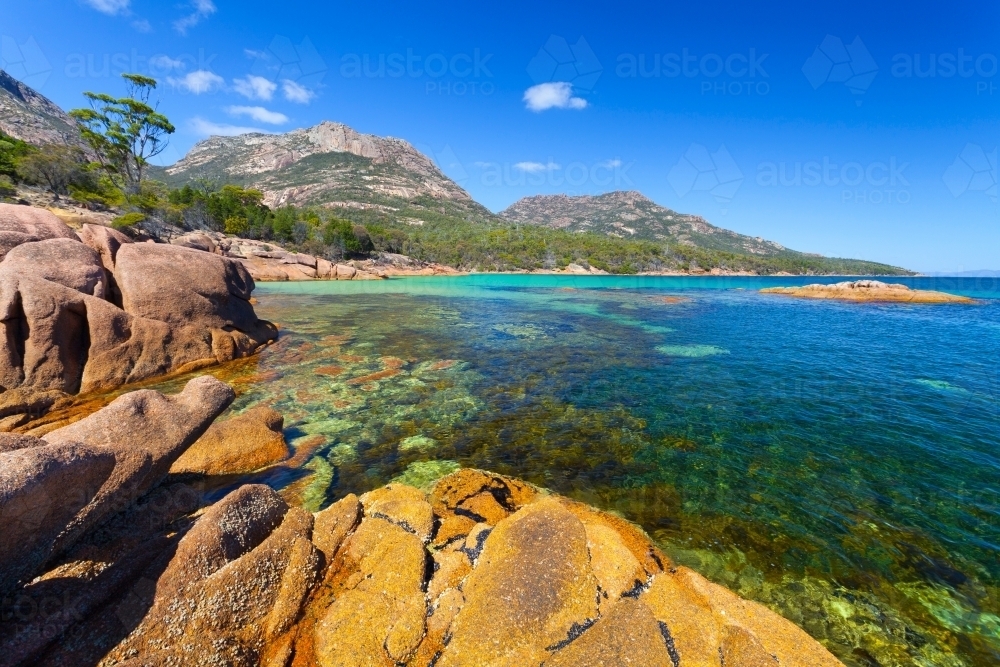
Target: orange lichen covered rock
(519, 577)
(247, 442)
(377, 615)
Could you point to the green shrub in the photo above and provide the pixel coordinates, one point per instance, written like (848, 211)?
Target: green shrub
(236, 226)
(127, 220)
(7, 188)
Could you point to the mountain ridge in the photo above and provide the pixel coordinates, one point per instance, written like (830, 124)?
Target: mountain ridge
(28, 115)
(385, 181)
(630, 214)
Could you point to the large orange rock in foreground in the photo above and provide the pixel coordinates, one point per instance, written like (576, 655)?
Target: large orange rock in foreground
(868, 291)
(527, 578)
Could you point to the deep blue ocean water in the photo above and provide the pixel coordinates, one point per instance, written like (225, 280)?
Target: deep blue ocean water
(838, 462)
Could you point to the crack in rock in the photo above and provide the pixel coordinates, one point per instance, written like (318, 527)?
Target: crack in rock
(668, 639)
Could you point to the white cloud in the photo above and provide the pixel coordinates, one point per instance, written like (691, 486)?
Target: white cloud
(202, 10)
(165, 63)
(109, 7)
(296, 93)
(611, 164)
(536, 167)
(259, 114)
(197, 82)
(142, 25)
(207, 128)
(255, 87)
(555, 95)
(254, 55)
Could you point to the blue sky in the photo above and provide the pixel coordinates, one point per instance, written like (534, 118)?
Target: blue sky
(830, 127)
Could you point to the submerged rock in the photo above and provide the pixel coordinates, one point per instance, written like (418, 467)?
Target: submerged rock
(868, 290)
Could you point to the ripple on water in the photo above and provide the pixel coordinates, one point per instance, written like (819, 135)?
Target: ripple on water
(941, 385)
(691, 351)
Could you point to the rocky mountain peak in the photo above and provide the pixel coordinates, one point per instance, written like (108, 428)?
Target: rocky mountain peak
(330, 164)
(29, 116)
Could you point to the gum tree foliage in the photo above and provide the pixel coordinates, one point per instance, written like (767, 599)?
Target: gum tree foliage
(125, 132)
(55, 166)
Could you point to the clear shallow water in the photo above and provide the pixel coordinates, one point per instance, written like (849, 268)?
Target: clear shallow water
(837, 462)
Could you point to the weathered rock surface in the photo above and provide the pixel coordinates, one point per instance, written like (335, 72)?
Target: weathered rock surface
(55, 489)
(195, 241)
(247, 442)
(236, 582)
(77, 316)
(868, 291)
(66, 262)
(25, 224)
(42, 489)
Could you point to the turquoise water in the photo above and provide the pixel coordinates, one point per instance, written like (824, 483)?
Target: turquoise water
(837, 462)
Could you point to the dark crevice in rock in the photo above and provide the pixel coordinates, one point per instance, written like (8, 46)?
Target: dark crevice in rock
(16, 334)
(72, 339)
(659, 563)
(502, 495)
(399, 522)
(638, 588)
(452, 540)
(574, 633)
(461, 511)
(668, 639)
(473, 554)
(434, 659)
(430, 566)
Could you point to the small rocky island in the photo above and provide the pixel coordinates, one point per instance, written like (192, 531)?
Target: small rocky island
(868, 291)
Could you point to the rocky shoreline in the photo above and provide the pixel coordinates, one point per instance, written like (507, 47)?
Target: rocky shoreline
(117, 555)
(90, 310)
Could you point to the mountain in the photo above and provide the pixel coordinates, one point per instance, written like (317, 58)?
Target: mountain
(333, 166)
(371, 179)
(632, 215)
(29, 116)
